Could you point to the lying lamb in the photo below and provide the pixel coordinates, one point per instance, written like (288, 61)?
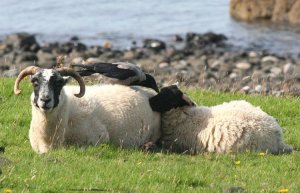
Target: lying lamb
(97, 114)
(236, 126)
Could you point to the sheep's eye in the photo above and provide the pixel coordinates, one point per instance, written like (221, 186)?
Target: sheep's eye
(34, 82)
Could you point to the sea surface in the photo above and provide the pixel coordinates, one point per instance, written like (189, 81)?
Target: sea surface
(122, 21)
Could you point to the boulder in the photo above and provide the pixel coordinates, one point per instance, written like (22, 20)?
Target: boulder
(273, 10)
(154, 44)
(23, 41)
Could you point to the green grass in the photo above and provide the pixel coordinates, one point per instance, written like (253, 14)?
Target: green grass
(110, 169)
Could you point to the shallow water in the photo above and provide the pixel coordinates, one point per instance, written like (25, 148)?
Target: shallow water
(119, 21)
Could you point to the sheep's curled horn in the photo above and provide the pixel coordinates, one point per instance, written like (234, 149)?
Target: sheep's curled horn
(30, 70)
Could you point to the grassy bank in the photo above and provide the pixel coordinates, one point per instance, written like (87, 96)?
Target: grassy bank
(110, 169)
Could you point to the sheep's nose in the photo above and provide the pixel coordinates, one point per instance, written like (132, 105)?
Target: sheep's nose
(46, 100)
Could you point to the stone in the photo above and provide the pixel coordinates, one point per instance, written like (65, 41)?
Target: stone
(11, 73)
(285, 11)
(276, 71)
(271, 59)
(252, 54)
(288, 69)
(233, 75)
(177, 38)
(22, 41)
(246, 89)
(77, 60)
(243, 65)
(129, 55)
(26, 56)
(258, 88)
(45, 59)
(250, 10)
(234, 189)
(92, 61)
(154, 44)
(107, 45)
(163, 65)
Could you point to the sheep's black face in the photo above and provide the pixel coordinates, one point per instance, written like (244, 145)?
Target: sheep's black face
(47, 85)
(169, 97)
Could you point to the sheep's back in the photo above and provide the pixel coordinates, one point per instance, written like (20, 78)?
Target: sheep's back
(124, 111)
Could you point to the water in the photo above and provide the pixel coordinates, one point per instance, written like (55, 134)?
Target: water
(122, 21)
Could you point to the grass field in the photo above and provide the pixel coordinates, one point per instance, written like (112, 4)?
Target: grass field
(110, 169)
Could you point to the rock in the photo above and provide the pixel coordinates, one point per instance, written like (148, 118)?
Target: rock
(154, 44)
(276, 71)
(294, 15)
(234, 189)
(23, 41)
(26, 56)
(246, 89)
(163, 65)
(210, 39)
(273, 10)
(45, 59)
(252, 54)
(77, 60)
(258, 88)
(243, 65)
(233, 75)
(107, 45)
(129, 55)
(181, 65)
(74, 39)
(92, 61)
(249, 10)
(269, 59)
(177, 38)
(4, 67)
(288, 69)
(11, 73)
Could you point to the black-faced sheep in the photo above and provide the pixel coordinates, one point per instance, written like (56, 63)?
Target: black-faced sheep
(115, 113)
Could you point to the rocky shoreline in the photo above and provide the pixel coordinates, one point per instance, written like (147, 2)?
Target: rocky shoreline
(197, 60)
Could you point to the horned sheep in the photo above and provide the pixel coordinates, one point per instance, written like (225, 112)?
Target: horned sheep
(97, 114)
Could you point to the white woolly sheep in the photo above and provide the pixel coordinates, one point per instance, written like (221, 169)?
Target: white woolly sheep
(115, 113)
(236, 126)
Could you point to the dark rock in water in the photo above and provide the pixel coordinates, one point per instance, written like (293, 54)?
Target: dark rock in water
(194, 40)
(177, 38)
(23, 41)
(154, 44)
(79, 47)
(74, 38)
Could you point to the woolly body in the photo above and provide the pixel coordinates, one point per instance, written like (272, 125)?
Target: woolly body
(236, 126)
(114, 113)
